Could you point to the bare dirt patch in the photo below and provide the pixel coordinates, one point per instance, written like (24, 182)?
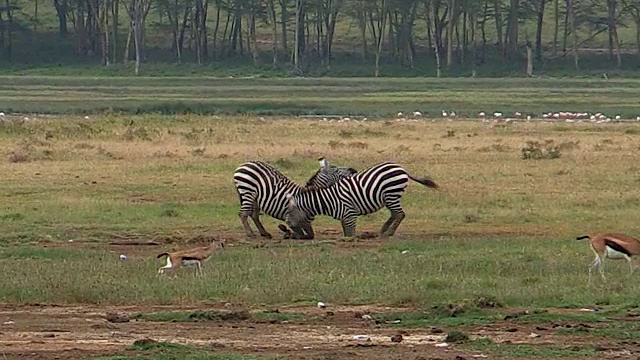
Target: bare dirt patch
(75, 332)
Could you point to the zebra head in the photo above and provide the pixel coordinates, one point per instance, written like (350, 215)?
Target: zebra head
(328, 175)
(296, 217)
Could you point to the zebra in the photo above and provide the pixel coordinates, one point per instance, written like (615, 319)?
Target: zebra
(261, 186)
(364, 193)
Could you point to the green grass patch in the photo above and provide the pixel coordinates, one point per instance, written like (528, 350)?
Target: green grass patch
(151, 349)
(299, 96)
(530, 351)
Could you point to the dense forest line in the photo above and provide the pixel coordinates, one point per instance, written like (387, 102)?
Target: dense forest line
(304, 36)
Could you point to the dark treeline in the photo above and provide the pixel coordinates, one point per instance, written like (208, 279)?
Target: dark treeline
(302, 33)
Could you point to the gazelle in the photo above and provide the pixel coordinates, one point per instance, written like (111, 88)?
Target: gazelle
(194, 256)
(613, 246)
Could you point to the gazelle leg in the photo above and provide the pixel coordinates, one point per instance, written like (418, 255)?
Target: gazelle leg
(596, 264)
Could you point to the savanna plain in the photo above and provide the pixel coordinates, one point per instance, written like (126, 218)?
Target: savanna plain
(488, 264)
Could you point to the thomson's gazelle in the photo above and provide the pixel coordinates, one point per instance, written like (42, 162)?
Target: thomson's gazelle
(613, 246)
(190, 257)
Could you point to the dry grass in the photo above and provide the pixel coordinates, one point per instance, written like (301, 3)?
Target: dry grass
(76, 177)
(498, 216)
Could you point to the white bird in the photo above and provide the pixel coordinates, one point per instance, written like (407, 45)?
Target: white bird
(517, 114)
(497, 114)
(481, 114)
(400, 114)
(528, 117)
(637, 118)
(617, 117)
(444, 113)
(453, 114)
(1, 113)
(417, 114)
(86, 117)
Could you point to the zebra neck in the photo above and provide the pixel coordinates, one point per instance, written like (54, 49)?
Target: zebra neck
(323, 201)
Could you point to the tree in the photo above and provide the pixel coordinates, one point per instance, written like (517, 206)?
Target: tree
(138, 11)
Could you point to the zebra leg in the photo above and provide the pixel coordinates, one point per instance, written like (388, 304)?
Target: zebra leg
(397, 215)
(386, 225)
(255, 216)
(247, 207)
(349, 226)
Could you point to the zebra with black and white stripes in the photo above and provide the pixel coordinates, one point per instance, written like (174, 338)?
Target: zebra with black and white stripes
(364, 193)
(261, 187)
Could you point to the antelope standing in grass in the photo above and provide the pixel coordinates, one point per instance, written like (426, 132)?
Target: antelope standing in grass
(613, 246)
(190, 257)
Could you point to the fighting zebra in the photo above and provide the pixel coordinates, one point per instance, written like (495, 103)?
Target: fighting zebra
(364, 193)
(261, 187)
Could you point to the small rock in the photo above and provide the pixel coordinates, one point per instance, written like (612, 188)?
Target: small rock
(321, 305)
(534, 335)
(366, 317)
(540, 328)
(117, 318)
(123, 257)
(8, 322)
(459, 357)
(444, 344)
(396, 338)
(435, 330)
(511, 330)
(405, 251)
(49, 335)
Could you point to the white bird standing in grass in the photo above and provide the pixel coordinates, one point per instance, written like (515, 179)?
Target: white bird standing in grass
(612, 246)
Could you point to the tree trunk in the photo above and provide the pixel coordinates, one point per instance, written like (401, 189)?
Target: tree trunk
(572, 15)
(539, 30)
(556, 27)
(253, 39)
(498, 15)
(61, 10)
(529, 59)
(614, 43)
(452, 7)
(274, 32)
(382, 24)
(284, 17)
(434, 16)
(512, 29)
(216, 27)
(115, 4)
(362, 24)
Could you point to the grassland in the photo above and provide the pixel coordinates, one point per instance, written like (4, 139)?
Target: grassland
(501, 227)
(498, 238)
(304, 96)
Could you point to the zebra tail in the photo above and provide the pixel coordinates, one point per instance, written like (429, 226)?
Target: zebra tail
(424, 181)
(583, 237)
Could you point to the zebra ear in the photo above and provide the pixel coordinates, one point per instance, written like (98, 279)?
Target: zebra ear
(290, 200)
(323, 163)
